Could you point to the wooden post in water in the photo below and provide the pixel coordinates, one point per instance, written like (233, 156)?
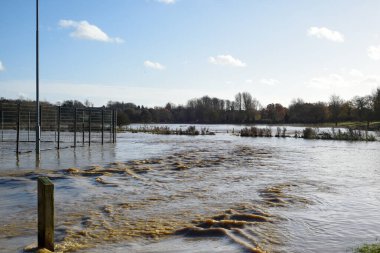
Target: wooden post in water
(83, 127)
(113, 126)
(75, 126)
(18, 129)
(45, 214)
(59, 127)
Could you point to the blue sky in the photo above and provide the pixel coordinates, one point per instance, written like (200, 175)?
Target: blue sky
(151, 52)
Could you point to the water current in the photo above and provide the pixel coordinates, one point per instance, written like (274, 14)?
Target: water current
(219, 193)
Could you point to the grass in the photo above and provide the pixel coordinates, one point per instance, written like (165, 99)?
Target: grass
(164, 130)
(349, 135)
(368, 248)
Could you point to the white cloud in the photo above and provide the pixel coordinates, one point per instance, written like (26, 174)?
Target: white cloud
(325, 33)
(344, 80)
(154, 65)
(166, 1)
(374, 52)
(85, 30)
(226, 60)
(269, 81)
(249, 81)
(2, 68)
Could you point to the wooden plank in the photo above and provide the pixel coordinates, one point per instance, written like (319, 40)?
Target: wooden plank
(45, 214)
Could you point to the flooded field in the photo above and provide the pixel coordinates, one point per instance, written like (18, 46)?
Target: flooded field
(220, 193)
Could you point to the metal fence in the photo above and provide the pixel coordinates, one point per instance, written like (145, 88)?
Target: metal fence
(61, 127)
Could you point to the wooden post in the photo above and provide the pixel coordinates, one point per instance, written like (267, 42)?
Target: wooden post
(75, 126)
(59, 127)
(102, 125)
(89, 126)
(45, 214)
(18, 129)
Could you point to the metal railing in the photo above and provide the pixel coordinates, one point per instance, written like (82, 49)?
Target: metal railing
(61, 126)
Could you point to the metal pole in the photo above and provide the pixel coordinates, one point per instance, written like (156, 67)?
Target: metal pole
(82, 126)
(59, 127)
(75, 126)
(102, 126)
(18, 129)
(111, 125)
(89, 126)
(2, 125)
(28, 126)
(38, 127)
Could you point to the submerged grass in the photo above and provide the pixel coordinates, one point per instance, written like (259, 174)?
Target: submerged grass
(368, 248)
(164, 130)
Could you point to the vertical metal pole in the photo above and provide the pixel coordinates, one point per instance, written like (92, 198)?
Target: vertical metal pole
(38, 126)
(111, 125)
(89, 126)
(18, 129)
(83, 127)
(75, 126)
(59, 127)
(28, 126)
(115, 132)
(2, 125)
(45, 214)
(102, 126)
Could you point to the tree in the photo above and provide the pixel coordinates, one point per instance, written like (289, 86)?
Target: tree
(335, 106)
(239, 101)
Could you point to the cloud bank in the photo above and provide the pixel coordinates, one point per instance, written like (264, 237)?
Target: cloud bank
(86, 31)
(2, 68)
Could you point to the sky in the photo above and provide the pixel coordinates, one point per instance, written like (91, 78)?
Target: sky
(151, 52)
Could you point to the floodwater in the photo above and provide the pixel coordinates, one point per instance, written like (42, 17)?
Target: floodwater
(220, 193)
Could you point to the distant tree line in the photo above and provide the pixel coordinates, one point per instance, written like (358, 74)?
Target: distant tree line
(244, 109)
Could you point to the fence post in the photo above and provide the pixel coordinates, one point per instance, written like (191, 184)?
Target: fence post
(59, 127)
(40, 131)
(45, 214)
(89, 126)
(18, 129)
(2, 123)
(83, 127)
(28, 126)
(115, 132)
(75, 126)
(102, 125)
(111, 125)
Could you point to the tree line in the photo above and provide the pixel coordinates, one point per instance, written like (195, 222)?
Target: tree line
(244, 109)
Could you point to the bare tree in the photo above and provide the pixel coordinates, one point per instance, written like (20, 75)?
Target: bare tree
(335, 106)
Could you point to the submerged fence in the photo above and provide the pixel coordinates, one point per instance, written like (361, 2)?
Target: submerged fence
(61, 126)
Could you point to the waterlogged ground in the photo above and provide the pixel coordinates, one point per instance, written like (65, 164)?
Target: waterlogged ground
(221, 193)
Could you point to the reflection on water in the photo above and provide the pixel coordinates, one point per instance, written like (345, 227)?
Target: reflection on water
(222, 193)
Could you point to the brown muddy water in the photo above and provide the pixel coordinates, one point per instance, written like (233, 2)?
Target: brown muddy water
(221, 193)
